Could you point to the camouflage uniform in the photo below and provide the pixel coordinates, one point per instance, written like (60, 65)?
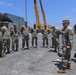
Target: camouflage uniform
(25, 36)
(0, 43)
(67, 40)
(45, 33)
(63, 43)
(6, 40)
(34, 36)
(15, 40)
(55, 41)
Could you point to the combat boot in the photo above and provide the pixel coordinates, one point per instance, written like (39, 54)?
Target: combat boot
(55, 50)
(61, 71)
(36, 47)
(8, 52)
(58, 51)
(22, 49)
(69, 66)
(17, 49)
(0, 55)
(28, 48)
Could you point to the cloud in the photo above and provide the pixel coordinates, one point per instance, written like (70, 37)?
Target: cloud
(2, 3)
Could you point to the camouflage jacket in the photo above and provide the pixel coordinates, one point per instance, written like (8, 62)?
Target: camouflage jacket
(0, 35)
(6, 34)
(45, 32)
(14, 32)
(67, 36)
(34, 32)
(25, 31)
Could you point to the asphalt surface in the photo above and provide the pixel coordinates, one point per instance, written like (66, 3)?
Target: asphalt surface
(37, 61)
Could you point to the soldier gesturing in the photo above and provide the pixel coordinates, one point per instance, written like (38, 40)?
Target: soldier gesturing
(67, 40)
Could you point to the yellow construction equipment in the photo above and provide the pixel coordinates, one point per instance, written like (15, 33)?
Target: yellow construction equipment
(43, 13)
(39, 25)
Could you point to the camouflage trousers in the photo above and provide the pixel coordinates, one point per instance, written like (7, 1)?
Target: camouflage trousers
(0, 48)
(45, 39)
(66, 58)
(55, 44)
(6, 45)
(15, 42)
(34, 39)
(25, 39)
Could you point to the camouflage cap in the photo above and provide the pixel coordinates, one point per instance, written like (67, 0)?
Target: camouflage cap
(66, 21)
(53, 27)
(34, 24)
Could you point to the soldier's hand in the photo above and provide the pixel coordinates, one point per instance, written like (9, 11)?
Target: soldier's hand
(67, 46)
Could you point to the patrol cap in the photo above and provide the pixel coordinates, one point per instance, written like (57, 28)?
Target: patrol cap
(53, 27)
(34, 25)
(25, 22)
(66, 21)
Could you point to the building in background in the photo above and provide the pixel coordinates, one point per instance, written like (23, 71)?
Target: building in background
(11, 19)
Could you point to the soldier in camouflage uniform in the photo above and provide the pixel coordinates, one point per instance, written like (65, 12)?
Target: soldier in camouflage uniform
(45, 33)
(67, 46)
(55, 39)
(0, 43)
(34, 33)
(6, 38)
(15, 40)
(25, 36)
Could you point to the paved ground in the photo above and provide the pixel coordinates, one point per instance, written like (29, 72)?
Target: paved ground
(37, 61)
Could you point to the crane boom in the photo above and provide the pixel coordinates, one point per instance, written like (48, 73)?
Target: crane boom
(43, 13)
(37, 14)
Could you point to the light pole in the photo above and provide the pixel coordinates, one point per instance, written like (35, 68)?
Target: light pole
(26, 9)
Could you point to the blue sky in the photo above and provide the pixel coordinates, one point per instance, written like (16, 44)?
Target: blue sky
(55, 10)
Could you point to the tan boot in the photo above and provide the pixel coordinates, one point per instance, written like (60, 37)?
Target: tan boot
(61, 71)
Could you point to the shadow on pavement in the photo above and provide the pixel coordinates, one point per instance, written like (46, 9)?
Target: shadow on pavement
(73, 59)
(52, 51)
(59, 65)
(60, 55)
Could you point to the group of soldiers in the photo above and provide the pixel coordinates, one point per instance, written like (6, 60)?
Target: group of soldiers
(6, 34)
(34, 31)
(67, 40)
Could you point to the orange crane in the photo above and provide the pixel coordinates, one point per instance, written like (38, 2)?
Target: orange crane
(43, 13)
(39, 25)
